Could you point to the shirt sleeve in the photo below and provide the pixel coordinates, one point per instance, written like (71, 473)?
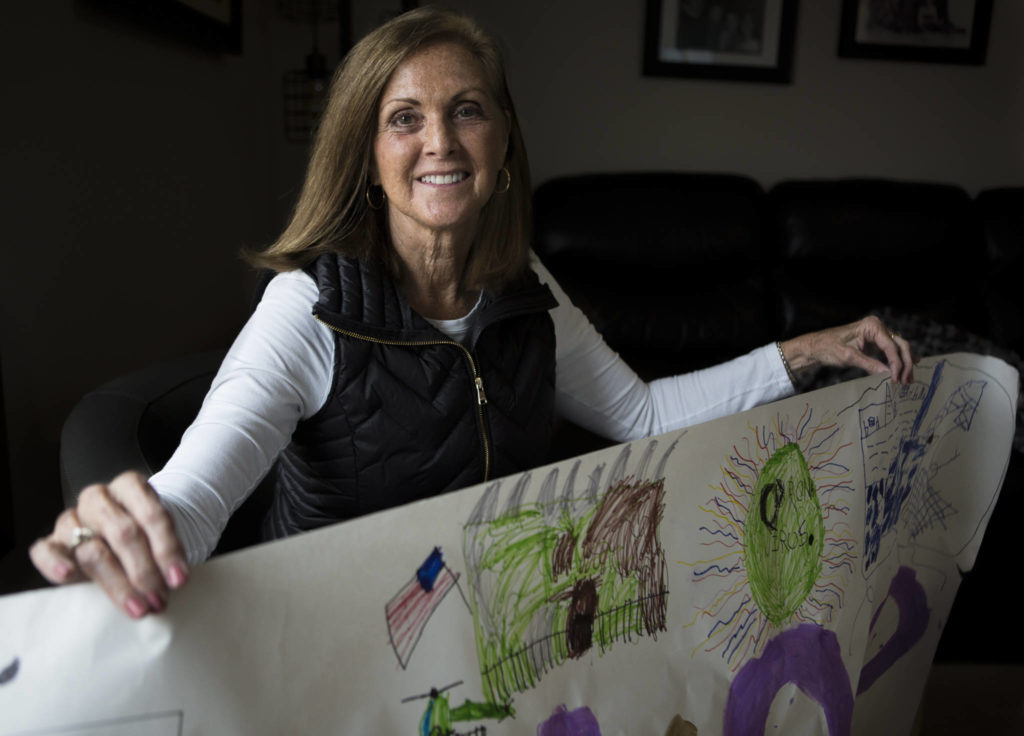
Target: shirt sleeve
(595, 389)
(277, 372)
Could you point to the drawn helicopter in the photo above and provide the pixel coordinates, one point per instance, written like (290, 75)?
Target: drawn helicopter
(439, 716)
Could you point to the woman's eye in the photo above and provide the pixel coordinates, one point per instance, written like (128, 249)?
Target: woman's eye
(403, 119)
(464, 112)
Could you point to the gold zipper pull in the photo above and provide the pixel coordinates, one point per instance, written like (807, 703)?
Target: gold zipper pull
(481, 397)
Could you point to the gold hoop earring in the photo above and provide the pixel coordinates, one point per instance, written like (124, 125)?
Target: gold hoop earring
(508, 181)
(369, 201)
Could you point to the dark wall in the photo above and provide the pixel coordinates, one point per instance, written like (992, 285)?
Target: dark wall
(135, 165)
(6, 500)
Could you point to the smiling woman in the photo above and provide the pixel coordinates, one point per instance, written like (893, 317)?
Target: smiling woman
(341, 207)
(441, 142)
(409, 343)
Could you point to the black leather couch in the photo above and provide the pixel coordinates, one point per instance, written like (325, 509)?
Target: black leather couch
(679, 271)
(683, 270)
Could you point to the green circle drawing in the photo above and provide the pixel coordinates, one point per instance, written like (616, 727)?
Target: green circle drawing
(784, 535)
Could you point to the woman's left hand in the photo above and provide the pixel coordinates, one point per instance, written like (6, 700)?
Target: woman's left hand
(845, 346)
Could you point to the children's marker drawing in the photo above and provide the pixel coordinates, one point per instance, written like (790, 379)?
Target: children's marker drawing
(807, 656)
(900, 481)
(9, 672)
(912, 602)
(552, 588)
(784, 535)
(553, 578)
(679, 726)
(780, 545)
(439, 715)
(565, 722)
(412, 606)
(427, 573)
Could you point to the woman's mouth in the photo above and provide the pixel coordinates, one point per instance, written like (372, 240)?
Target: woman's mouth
(452, 178)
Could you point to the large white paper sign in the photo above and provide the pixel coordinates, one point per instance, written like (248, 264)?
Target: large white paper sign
(785, 570)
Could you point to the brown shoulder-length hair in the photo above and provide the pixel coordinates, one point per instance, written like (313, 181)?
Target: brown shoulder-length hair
(332, 212)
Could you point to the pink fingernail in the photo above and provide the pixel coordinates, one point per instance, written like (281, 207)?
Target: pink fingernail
(63, 570)
(176, 576)
(136, 608)
(156, 602)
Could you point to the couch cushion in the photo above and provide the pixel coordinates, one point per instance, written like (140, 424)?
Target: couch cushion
(667, 266)
(849, 246)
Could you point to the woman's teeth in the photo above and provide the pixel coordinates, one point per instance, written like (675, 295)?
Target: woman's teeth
(443, 179)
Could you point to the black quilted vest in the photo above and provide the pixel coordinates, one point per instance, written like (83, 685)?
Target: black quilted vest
(411, 413)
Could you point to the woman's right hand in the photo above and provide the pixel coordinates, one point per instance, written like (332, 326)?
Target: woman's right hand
(121, 537)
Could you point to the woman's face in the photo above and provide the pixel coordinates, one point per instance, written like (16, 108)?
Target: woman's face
(441, 141)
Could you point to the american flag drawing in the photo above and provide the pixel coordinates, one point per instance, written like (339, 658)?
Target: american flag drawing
(410, 609)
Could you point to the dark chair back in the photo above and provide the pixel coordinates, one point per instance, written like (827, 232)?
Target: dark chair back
(135, 422)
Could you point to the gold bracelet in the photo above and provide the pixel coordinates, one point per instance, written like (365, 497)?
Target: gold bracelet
(785, 363)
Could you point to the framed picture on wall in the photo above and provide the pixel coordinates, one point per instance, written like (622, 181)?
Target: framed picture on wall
(945, 31)
(748, 40)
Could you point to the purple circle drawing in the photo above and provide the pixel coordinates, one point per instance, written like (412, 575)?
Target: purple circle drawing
(807, 656)
(563, 722)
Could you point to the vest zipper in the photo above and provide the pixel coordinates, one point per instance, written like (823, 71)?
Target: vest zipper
(478, 381)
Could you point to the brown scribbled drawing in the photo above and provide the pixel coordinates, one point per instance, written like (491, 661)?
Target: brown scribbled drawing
(679, 727)
(555, 578)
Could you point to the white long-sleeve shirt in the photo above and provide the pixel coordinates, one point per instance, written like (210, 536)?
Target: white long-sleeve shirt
(278, 372)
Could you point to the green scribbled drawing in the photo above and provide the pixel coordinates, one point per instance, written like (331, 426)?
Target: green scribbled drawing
(550, 581)
(439, 716)
(783, 535)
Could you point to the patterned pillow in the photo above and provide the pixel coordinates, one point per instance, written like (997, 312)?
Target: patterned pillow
(926, 337)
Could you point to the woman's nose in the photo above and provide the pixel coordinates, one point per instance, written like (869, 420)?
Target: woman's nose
(440, 138)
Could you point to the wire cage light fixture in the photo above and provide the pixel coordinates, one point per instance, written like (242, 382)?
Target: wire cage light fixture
(305, 90)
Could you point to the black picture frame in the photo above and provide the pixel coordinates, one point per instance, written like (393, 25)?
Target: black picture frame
(740, 40)
(215, 25)
(941, 31)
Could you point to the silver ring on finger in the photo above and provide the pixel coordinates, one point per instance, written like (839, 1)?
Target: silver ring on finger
(893, 334)
(80, 533)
